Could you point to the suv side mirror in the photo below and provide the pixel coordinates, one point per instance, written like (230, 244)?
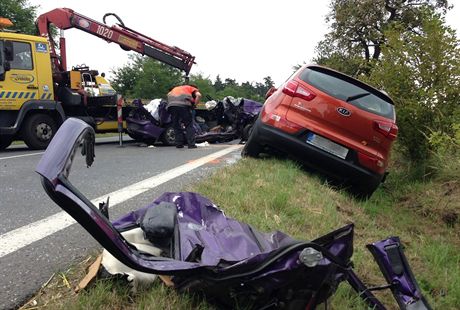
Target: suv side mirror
(9, 52)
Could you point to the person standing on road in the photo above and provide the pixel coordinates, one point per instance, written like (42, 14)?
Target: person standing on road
(181, 101)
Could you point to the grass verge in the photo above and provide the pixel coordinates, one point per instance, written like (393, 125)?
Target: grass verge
(272, 195)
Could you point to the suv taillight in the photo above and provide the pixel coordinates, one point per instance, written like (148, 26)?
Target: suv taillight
(294, 89)
(388, 129)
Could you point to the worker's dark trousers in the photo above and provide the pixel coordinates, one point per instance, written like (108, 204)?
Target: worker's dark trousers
(183, 116)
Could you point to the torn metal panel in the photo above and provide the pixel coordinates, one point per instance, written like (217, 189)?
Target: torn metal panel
(186, 236)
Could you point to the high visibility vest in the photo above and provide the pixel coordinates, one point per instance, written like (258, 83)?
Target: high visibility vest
(181, 96)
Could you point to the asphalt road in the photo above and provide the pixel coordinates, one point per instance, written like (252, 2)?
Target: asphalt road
(25, 265)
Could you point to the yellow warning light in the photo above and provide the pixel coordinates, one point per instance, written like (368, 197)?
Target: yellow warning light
(5, 22)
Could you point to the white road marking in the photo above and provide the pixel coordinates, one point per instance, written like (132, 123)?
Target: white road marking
(23, 155)
(21, 237)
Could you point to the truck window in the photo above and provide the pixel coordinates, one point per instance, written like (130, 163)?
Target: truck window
(1, 53)
(2, 68)
(22, 56)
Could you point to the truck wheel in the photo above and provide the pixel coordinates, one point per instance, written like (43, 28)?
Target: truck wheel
(168, 137)
(5, 141)
(38, 130)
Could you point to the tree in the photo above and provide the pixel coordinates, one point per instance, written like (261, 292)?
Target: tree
(126, 77)
(268, 82)
(358, 28)
(145, 77)
(421, 71)
(205, 86)
(230, 82)
(218, 84)
(156, 79)
(21, 13)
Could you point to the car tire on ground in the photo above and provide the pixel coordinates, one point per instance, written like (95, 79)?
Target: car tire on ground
(168, 137)
(5, 141)
(365, 190)
(252, 148)
(246, 132)
(38, 130)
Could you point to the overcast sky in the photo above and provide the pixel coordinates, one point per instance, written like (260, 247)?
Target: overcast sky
(240, 39)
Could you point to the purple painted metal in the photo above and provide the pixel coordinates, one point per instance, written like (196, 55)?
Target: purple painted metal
(223, 239)
(393, 263)
(252, 107)
(219, 256)
(232, 251)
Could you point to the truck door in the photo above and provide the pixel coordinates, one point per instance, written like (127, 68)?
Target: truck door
(20, 84)
(44, 78)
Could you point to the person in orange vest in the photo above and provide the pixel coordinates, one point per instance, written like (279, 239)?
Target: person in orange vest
(181, 101)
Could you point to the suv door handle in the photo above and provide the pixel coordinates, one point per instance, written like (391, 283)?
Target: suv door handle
(32, 87)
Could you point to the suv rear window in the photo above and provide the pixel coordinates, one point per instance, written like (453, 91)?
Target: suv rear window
(350, 90)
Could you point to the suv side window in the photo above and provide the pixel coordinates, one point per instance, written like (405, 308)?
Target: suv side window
(22, 56)
(346, 88)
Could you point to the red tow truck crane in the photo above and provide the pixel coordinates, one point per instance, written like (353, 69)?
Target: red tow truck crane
(128, 39)
(38, 92)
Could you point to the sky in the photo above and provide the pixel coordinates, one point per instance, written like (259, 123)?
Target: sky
(239, 39)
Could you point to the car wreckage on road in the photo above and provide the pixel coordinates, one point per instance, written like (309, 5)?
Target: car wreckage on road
(231, 263)
(220, 121)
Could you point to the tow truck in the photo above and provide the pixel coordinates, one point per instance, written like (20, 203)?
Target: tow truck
(38, 92)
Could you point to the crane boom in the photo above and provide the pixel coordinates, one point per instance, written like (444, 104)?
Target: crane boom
(128, 39)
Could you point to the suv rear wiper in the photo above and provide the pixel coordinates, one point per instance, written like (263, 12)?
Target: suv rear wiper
(357, 96)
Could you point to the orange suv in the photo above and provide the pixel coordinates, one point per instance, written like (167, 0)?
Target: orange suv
(331, 122)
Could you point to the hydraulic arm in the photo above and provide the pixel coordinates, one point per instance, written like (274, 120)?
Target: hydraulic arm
(128, 39)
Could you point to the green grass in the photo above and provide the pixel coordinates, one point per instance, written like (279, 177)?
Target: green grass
(272, 195)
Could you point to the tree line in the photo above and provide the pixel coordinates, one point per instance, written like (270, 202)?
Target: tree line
(144, 77)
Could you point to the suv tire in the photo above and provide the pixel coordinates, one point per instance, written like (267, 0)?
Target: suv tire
(252, 148)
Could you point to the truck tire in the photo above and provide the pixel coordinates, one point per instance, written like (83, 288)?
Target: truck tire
(38, 130)
(168, 137)
(5, 141)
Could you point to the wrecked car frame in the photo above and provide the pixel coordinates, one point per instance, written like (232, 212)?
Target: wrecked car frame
(228, 261)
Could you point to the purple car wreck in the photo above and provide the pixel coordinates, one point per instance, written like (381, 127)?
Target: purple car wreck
(228, 261)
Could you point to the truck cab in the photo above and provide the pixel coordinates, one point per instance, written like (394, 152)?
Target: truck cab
(34, 102)
(28, 110)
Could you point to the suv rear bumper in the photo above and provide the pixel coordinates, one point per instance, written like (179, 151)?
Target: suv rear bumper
(293, 145)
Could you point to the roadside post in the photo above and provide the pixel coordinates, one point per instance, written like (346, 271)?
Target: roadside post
(120, 119)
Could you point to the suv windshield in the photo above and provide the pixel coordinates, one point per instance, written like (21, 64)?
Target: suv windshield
(350, 90)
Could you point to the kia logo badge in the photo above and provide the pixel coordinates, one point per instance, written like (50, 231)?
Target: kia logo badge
(343, 111)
